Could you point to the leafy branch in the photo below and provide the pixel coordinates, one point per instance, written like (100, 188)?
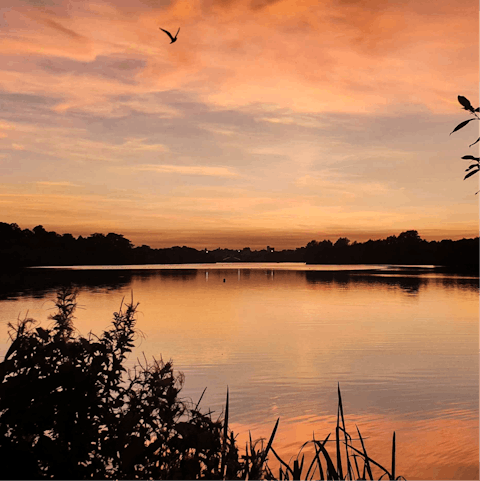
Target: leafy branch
(475, 166)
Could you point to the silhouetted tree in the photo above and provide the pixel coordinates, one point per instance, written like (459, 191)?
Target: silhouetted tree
(410, 237)
(38, 247)
(342, 242)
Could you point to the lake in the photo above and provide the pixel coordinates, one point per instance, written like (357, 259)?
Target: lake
(402, 344)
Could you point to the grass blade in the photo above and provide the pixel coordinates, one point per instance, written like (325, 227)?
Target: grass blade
(317, 457)
(393, 457)
(270, 441)
(337, 435)
(349, 465)
(224, 444)
(372, 461)
(356, 465)
(200, 400)
(365, 460)
(297, 471)
(310, 469)
(283, 462)
(247, 458)
(312, 463)
(332, 472)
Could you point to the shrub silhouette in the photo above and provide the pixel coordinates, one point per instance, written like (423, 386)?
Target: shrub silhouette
(70, 410)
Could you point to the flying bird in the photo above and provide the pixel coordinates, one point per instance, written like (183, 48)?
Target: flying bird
(173, 39)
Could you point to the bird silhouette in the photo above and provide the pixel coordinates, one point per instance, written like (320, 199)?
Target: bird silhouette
(173, 39)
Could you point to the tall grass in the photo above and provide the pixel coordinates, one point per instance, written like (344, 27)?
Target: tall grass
(322, 466)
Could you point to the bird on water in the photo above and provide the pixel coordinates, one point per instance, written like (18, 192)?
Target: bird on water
(173, 39)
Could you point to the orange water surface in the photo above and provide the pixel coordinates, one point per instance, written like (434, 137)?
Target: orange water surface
(402, 347)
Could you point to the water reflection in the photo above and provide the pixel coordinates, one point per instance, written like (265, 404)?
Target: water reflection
(39, 283)
(404, 349)
(42, 282)
(177, 275)
(410, 285)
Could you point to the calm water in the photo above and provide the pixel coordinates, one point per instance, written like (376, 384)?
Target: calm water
(403, 346)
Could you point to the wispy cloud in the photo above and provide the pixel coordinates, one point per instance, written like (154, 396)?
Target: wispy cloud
(64, 30)
(57, 184)
(300, 120)
(187, 170)
(72, 144)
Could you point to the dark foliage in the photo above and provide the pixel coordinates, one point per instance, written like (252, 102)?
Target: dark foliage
(406, 249)
(70, 410)
(37, 247)
(475, 166)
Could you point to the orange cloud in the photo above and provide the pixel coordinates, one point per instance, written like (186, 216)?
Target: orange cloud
(334, 56)
(271, 117)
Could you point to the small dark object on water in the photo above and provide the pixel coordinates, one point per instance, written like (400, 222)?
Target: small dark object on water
(223, 280)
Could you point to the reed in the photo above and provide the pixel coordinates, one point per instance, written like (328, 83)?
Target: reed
(322, 466)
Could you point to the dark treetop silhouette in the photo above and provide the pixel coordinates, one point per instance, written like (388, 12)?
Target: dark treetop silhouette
(37, 247)
(173, 39)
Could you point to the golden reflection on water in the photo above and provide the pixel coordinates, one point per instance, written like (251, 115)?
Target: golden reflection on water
(444, 451)
(404, 350)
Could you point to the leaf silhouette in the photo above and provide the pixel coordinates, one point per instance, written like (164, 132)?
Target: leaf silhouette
(470, 174)
(43, 334)
(471, 167)
(477, 109)
(465, 103)
(461, 125)
(471, 157)
(474, 142)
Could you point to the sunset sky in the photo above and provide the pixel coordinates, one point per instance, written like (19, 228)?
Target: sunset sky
(268, 122)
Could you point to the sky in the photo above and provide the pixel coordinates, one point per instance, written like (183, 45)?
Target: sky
(268, 122)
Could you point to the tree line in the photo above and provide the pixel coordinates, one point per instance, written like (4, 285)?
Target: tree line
(37, 247)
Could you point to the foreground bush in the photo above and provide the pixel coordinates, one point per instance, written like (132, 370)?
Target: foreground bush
(70, 410)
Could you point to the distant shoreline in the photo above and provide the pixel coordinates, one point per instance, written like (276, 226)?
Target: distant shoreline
(385, 269)
(37, 247)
